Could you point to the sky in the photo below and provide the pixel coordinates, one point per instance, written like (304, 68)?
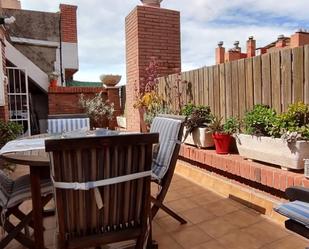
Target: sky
(101, 28)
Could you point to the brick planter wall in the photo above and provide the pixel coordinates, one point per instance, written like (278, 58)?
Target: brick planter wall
(258, 174)
(64, 100)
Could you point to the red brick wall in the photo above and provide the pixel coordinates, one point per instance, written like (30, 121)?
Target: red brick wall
(254, 173)
(65, 100)
(4, 112)
(150, 32)
(68, 23)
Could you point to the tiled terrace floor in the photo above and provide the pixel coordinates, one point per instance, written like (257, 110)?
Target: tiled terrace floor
(214, 222)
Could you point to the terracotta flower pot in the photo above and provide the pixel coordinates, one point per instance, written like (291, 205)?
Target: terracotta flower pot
(222, 142)
(53, 83)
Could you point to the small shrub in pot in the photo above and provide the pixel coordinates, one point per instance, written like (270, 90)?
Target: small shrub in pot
(222, 133)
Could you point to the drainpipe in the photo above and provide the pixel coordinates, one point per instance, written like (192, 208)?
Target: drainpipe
(60, 48)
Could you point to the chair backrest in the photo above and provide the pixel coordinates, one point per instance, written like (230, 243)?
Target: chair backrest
(126, 205)
(170, 129)
(61, 123)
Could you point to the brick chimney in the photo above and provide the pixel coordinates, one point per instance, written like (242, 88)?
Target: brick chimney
(281, 42)
(300, 38)
(68, 23)
(150, 33)
(251, 47)
(10, 4)
(220, 51)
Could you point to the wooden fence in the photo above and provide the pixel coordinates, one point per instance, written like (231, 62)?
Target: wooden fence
(276, 79)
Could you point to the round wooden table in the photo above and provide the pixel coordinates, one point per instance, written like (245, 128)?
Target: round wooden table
(38, 162)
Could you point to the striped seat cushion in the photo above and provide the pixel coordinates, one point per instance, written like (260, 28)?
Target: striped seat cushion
(22, 190)
(16, 192)
(67, 124)
(168, 130)
(6, 188)
(296, 210)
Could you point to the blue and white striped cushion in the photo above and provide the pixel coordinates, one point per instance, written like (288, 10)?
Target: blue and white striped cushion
(168, 130)
(296, 210)
(67, 124)
(22, 190)
(6, 188)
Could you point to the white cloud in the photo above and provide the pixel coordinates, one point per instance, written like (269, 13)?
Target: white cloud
(204, 23)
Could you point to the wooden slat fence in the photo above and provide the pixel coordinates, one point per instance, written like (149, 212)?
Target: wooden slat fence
(276, 79)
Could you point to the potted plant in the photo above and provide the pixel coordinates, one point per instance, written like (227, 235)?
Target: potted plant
(110, 80)
(222, 133)
(97, 110)
(280, 139)
(196, 130)
(53, 79)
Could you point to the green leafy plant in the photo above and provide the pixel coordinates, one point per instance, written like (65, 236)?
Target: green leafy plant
(292, 125)
(197, 116)
(9, 131)
(97, 109)
(230, 126)
(259, 121)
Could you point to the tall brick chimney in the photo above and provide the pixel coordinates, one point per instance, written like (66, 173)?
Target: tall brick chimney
(68, 23)
(251, 47)
(10, 4)
(300, 38)
(69, 41)
(220, 51)
(281, 43)
(150, 33)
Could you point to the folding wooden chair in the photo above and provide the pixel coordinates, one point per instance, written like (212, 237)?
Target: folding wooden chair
(102, 187)
(12, 195)
(170, 129)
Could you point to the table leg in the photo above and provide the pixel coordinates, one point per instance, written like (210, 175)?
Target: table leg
(37, 207)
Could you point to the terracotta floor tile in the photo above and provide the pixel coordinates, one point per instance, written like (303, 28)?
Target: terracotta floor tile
(222, 207)
(181, 205)
(167, 242)
(267, 231)
(240, 240)
(169, 224)
(172, 196)
(190, 237)
(213, 244)
(197, 215)
(290, 242)
(242, 218)
(205, 197)
(217, 227)
(157, 229)
(191, 191)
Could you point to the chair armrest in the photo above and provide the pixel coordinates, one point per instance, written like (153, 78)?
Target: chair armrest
(297, 194)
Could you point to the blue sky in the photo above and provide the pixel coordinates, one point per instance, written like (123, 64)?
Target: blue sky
(203, 24)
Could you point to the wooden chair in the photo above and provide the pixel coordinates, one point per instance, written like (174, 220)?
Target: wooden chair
(12, 195)
(170, 129)
(297, 210)
(102, 189)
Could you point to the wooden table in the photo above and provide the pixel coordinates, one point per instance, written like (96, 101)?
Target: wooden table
(38, 162)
